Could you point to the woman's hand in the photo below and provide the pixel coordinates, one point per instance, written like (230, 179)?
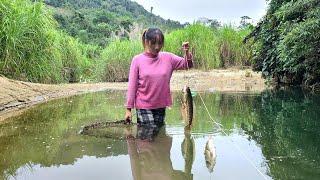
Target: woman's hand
(185, 48)
(128, 116)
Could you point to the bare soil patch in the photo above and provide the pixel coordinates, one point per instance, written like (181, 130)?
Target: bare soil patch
(17, 96)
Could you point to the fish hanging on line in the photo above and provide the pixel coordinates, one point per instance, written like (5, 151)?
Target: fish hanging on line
(187, 107)
(210, 154)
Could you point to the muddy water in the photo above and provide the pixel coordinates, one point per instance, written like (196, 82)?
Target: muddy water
(272, 135)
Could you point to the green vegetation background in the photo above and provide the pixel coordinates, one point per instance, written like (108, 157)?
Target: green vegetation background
(56, 41)
(53, 42)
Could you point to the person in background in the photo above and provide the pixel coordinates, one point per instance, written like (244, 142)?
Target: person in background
(149, 78)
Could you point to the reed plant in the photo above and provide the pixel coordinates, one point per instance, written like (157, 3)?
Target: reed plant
(232, 50)
(77, 59)
(202, 41)
(32, 49)
(26, 51)
(115, 60)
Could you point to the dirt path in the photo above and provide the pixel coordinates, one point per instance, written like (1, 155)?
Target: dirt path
(17, 96)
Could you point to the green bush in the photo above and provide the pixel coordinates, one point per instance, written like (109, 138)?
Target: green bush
(287, 42)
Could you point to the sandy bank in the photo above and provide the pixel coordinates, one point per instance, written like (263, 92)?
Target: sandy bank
(17, 96)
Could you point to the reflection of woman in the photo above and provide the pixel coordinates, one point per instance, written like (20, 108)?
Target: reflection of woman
(150, 155)
(149, 78)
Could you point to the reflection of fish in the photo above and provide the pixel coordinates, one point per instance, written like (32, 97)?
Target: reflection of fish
(210, 154)
(188, 152)
(187, 106)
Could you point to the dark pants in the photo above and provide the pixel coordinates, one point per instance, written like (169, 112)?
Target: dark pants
(151, 116)
(149, 122)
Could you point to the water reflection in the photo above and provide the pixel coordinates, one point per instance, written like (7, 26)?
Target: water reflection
(287, 128)
(150, 154)
(188, 151)
(277, 130)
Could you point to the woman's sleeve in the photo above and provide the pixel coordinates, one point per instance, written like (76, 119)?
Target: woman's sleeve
(132, 84)
(180, 62)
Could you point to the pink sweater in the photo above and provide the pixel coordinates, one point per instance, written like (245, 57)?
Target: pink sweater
(149, 80)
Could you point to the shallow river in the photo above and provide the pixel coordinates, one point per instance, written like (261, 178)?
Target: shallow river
(270, 135)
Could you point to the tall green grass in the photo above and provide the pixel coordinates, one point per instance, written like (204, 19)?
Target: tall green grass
(116, 58)
(232, 50)
(77, 59)
(202, 39)
(26, 48)
(213, 48)
(32, 49)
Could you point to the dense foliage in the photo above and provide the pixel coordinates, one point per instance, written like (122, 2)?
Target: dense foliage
(96, 21)
(287, 42)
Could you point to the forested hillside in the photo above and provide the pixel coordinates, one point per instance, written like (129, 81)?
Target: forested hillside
(95, 21)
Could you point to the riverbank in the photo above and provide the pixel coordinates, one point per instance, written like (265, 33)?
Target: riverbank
(17, 96)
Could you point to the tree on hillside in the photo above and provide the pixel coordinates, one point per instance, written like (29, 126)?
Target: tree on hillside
(214, 23)
(244, 22)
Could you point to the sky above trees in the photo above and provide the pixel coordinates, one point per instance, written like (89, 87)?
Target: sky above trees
(225, 11)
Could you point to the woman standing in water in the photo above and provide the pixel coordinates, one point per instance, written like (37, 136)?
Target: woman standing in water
(149, 78)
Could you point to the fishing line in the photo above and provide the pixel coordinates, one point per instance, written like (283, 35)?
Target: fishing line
(220, 125)
(184, 73)
(234, 143)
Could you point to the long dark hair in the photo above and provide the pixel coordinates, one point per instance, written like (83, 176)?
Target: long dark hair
(153, 35)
